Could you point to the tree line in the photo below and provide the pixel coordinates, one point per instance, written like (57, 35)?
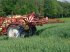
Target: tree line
(50, 8)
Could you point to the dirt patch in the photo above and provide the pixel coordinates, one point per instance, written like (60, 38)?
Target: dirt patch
(55, 20)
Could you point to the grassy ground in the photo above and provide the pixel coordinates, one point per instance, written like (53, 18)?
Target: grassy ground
(49, 38)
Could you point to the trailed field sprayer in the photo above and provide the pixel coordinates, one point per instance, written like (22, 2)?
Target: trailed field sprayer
(20, 25)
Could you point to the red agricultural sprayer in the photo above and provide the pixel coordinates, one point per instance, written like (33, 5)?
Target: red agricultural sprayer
(20, 25)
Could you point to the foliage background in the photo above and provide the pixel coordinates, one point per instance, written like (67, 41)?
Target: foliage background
(50, 8)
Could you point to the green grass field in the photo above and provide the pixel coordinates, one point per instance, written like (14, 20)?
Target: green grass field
(49, 38)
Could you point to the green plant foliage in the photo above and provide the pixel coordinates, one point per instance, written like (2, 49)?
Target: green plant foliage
(49, 38)
(50, 8)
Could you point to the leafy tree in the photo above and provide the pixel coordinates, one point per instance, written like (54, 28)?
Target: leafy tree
(50, 8)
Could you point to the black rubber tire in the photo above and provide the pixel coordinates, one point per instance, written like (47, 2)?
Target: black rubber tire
(15, 31)
(32, 30)
(21, 32)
